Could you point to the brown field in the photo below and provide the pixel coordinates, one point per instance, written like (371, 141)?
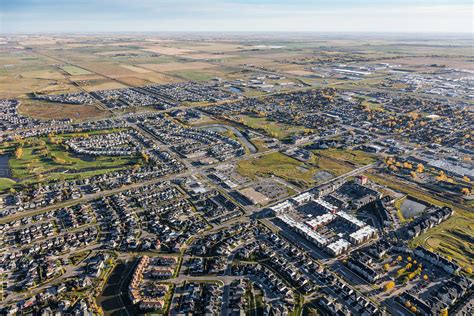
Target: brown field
(136, 69)
(174, 66)
(156, 78)
(167, 50)
(58, 88)
(300, 72)
(199, 56)
(43, 74)
(49, 110)
(116, 52)
(103, 84)
(455, 62)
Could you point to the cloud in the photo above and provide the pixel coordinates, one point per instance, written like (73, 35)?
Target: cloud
(237, 15)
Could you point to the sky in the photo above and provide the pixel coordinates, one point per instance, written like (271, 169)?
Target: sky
(342, 16)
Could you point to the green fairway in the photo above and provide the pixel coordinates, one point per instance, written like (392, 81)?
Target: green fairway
(6, 183)
(46, 158)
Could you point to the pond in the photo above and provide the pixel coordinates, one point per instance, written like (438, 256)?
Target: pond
(411, 208)
(235, 90)
(5, 171)
(222, 128)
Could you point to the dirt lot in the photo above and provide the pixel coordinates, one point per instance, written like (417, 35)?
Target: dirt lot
(50, 110)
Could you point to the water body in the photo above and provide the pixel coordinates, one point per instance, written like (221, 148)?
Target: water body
(235, 90)
(5, 171)
(222, 128)
(411, 208)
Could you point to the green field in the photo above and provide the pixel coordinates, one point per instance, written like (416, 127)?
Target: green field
(279, 165)
(46, 159)
(356, 157)
(273, 129)
(6, 183)
(75, 71)
(452, 238)
(290, 169)
(193, 75)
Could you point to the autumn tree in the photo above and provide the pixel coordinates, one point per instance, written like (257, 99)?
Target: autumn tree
(420, 168)
(465, 191)
(19, 152)
(389, 285)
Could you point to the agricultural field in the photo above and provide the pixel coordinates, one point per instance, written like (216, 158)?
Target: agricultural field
(75, 71)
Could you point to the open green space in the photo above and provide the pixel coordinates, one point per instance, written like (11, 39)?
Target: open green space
(452, 238)
(280, 165)
(290, 169)
(274, 129)
(6, 183)
(193, 75)
(47, 158)
(75, 71)
(356, 157)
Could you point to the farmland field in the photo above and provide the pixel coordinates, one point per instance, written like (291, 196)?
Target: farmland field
(75, 71)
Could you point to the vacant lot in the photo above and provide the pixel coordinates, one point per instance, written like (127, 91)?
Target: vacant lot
(277, 164)
(273, 129)
(50, 110)
(355, 157)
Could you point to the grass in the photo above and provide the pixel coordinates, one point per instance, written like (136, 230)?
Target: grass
(44, 160)
(452, 238)
(192, 75)
(75, 71)
(356, 157)
(6, 183)
(398, 206)
(277, 164)
(273, 129)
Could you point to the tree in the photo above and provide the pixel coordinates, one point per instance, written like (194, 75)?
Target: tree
(425, 277)
(386, 267)
(420, 168)
(399, 258)
(444, 312)
(145, 157)
(413, 309)
(389, 285)
(468, 270)
(19, 152)
(466, 179)
(465, 191)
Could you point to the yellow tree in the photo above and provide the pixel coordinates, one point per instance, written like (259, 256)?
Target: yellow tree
(19, 152)
(389, 285)
(420, 168)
